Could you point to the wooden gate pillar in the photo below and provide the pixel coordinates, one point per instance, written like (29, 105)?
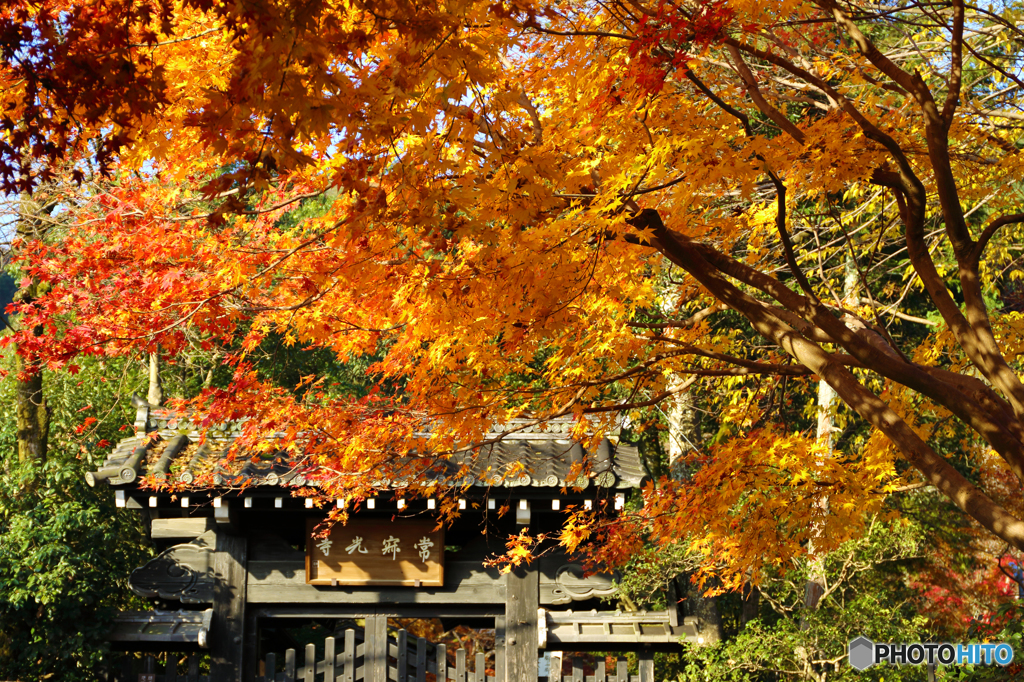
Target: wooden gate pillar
(522, 601)
(228, 627)
(500, 650)
(250, 645)
(375, 654)
(646, 666)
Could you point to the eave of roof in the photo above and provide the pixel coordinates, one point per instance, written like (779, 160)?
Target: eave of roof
(541, 455)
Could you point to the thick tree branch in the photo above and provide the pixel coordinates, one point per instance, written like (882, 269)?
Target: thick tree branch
(759, 367)
(776, 116)
(956, 63)
(935, 469)
(972, 327)
(868, 49)
(864, 344)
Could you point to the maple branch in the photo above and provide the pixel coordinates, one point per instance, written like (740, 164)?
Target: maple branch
(704, 264)
(599, 34)
(531, 109)
(868, 49)
(655, 188)
(935, 469)
(1002, 569)
(885, 85)
(635, 4)
(787, 245)
(989, 232)
(978, 340)
(633, 371)
(956, 63)
(898, 314)
(767, 109)
(199, 305)
(973, 330)
(685, 386)
(868, 347)
(757, 367)
(821, 268)
(910, 486)
(1000, 113)
(256, 212)
(864, 282)
(780, 188)
(911, 207)
(871, 131)
(974, 336)
(1008, 74)
(766, 370)
(183, 39)
(688, 322)
(725, 106)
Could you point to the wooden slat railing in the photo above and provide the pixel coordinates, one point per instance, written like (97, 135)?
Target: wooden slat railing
(343, 662)
(408, 661)
(620, 674)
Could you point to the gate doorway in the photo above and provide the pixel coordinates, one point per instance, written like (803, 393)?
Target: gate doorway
(378, 648)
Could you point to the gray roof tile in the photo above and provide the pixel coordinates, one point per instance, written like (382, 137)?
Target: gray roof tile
(546, 454)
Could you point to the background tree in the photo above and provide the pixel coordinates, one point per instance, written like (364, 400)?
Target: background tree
(66, 551)
(508, 180)
(31, 410)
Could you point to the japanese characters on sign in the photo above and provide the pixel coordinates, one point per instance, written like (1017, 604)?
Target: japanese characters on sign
(424, 546)
(377, 552)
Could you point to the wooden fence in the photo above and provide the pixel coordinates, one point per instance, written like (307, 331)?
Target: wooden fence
(620, 674)
(408, 661)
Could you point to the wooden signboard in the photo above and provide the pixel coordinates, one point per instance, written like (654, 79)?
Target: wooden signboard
(407, 552)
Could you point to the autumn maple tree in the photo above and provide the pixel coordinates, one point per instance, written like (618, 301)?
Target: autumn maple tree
(533, 209)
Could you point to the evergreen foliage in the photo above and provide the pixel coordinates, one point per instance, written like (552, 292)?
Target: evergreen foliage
(65, 551)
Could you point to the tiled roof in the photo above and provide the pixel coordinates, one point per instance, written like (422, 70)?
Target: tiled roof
(546, 453)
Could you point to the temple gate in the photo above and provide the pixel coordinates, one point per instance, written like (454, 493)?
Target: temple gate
(240, 575)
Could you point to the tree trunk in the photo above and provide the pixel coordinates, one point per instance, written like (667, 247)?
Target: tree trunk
(683, 430)
(827, 397)
(815, 586)
(706, 610)
(751, 605)
(32, 412)
(155, 396)
(683, 436)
